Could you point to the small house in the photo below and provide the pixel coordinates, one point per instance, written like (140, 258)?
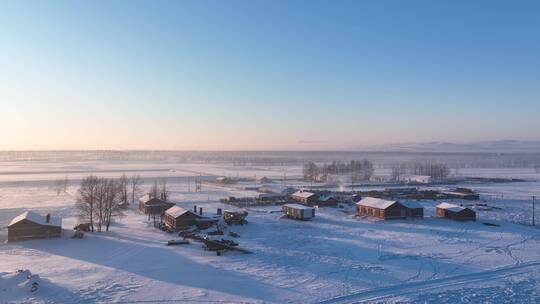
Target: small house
(455, 212)
(31, 225)
(299, 212)
(327, 200)
(178, 217)
(153, 205)
(381, 208)
(415, 179)
(305, 197)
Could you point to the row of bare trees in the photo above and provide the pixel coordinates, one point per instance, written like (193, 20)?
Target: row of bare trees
(358, 169)
(436, 170)
(100, 200)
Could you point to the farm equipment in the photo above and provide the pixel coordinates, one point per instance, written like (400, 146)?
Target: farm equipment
(221, 245)
(177, 242)
(235, 218)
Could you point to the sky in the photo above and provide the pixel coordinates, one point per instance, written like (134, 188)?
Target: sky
(266, 75)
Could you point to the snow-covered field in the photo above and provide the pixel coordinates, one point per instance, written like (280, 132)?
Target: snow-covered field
(336, 258)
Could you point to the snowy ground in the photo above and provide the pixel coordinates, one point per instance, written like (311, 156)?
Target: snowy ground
(336, 258)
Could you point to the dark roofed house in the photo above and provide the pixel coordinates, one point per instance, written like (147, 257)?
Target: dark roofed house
(327, 200)
(153, 205)
(178, 217)
(414, 209)
(455, 212)
(31, 225)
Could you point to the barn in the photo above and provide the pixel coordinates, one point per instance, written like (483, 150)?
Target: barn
(153, 206)
(178, 217)
(299, 212)
(31, 225)
(305, 197)
(380, 208)
(455, 212)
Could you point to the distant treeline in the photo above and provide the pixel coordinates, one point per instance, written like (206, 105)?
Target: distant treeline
(436, 170)
(357, 169)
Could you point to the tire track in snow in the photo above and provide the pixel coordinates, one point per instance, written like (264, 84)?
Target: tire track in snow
(407, 288)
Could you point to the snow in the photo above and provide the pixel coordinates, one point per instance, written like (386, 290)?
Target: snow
(375, 203)
(176, 211)
(298, 206)
(450, 207)
(37, 218)
(334, 258)
(411, 204)
(303, 194)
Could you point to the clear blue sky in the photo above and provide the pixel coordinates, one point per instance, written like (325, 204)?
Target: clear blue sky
(266, 74)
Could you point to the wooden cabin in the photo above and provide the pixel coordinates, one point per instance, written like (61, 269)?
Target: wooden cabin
(178, 217)
(305, 197)
(31, 225)
(383, 209)
(153, 206)
(455, 212)
(299, 212)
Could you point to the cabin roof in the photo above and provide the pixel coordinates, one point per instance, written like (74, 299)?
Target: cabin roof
(326, 197)
(411, 204)
(375, 203)
(451, 207)
(37, 218)
(303, 194)
(176, 211)
(298, 206)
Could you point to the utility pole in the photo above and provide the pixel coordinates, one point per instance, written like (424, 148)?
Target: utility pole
(533, 198)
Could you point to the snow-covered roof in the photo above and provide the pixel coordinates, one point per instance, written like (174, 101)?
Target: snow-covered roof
(411, 204)
(37, 218)
(303, 194)
(298, 206)
(450, 207)
(326, 197)
(176, 211)
(375, 203)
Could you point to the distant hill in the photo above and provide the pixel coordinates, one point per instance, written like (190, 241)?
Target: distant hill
(502, 146)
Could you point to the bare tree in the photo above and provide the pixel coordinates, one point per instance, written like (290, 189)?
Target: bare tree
(154, 191)
(87, 197)
(135, 183)
(123, 183)
(163, 191)
(114, 192)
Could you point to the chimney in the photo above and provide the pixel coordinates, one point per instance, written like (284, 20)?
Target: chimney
(195, 208)
(200, 210)
(218, 211)
(48, 217)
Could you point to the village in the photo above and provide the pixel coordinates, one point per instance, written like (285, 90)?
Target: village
(268, 227)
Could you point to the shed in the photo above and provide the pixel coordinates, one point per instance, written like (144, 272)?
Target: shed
(153, 205)
(299, 212)
(178, 217)
(455, 212)
(31, 225)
